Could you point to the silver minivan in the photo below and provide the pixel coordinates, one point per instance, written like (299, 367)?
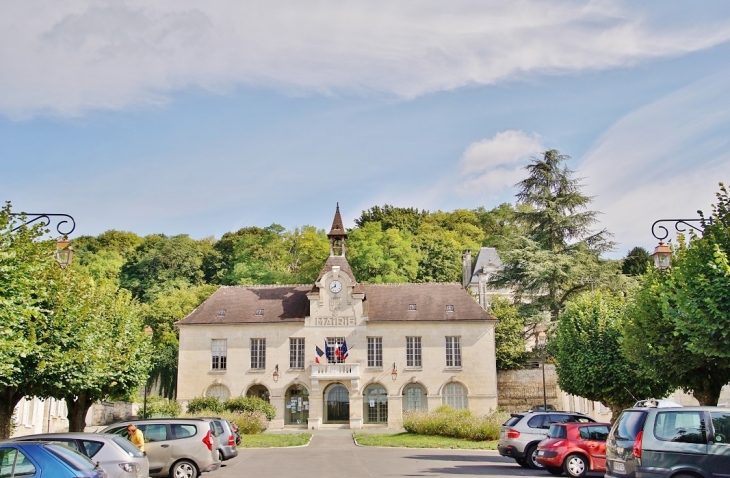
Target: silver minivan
(176, 447)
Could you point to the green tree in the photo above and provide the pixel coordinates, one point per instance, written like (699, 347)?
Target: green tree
(589, 358)
(26, 268)
(308, 248)
(160, 263)
(382, 256)
(407, 219)
(509, 339)
(636, 262)
(97, 344)
(700, 282)
(652, 339)
(559, 257)
(161, 315)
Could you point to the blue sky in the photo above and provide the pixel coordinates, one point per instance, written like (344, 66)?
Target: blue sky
(205, 117)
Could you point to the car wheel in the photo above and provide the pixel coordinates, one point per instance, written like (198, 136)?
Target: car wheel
(220, 456)
(575, 466)
(522, 462)
(554, 470)
(184, 469)
(531, 456)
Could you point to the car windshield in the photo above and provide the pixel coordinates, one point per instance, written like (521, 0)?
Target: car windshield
(628, 425)
(74, 459)
(127, 446)
(558, 431)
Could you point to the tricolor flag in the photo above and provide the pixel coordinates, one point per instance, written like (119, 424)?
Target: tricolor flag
(318, 355)
(327, 351)
(343, 350)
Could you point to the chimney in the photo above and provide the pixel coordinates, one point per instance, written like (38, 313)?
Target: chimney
(466, 268)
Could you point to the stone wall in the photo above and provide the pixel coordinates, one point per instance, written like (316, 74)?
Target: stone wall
(519, 390)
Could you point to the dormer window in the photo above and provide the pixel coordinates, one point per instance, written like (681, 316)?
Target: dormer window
(222, 313)
(259, 312)
(411, 306)
(449, 308)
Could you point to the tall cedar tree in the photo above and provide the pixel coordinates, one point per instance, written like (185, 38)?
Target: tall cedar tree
(559, 257)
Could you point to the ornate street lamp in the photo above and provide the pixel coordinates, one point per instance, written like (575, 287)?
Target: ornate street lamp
(662, 252)
(65, 225)
(276, 373)
(394, 373)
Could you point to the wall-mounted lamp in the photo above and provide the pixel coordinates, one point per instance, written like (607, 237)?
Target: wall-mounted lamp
(394, 373)
(276, 373)
(662, 256)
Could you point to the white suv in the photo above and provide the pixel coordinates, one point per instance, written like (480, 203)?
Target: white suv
(176, 447)
(519, 436)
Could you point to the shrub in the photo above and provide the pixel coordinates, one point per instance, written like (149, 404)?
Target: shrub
(445, 421)
(248, 423)
(158, 407)
(205, 403)
(250, 404)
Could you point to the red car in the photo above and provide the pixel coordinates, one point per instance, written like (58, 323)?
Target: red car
(574, 448)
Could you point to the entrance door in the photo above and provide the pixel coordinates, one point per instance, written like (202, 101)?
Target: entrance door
(376, 404)
(337, 404)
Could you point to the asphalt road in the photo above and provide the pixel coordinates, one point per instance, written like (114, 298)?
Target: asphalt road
(334, 454)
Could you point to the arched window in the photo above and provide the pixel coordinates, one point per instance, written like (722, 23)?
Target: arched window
(454, 394)
(414, 398)
(258, 391)
(218, 391)
(375, 402)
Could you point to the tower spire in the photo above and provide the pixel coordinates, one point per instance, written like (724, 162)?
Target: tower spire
(337, 235)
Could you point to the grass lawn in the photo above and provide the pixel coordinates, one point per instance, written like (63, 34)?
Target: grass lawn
(410, 440)
(274, 440)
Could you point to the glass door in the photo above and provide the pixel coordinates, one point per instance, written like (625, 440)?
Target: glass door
(337, 404)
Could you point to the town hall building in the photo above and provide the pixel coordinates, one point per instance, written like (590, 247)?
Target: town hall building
(338, 353)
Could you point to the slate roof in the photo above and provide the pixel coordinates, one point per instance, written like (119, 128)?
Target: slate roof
(486, 256)
(383, 303)
(338, 229)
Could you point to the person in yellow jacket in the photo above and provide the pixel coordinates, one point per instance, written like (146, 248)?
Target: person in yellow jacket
(136, 437)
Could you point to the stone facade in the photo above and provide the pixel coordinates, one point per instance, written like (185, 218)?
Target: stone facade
(408, 346)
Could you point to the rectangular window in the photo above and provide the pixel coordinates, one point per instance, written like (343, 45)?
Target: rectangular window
(296, 353)
(258, 354)
(334, 347)
(413, 351)
(219, 354)
(375, 351)
(453, 351)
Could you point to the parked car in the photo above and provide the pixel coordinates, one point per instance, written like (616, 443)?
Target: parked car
(118, 457)
(677, 442)
(228, 437)
(574, 448)
(520, 434)
(176, 447)
(39, 459)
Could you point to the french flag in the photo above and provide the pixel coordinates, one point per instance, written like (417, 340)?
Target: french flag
(343, 350)
(318, 355)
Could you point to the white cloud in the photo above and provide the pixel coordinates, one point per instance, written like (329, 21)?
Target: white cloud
(661, 161)
(69, 57)
(497, 163)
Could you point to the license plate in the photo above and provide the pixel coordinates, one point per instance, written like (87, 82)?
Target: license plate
(619, 467)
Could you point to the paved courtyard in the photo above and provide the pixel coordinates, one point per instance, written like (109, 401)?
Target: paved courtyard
(332, 453)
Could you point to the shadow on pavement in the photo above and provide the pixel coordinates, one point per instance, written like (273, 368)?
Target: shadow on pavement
(450, 457)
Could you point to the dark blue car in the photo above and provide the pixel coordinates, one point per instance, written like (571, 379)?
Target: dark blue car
(36, 459)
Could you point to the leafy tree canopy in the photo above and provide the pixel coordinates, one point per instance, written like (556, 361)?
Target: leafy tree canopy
(589, 358)
(652, 339)
(636, 262)
(559, 255)
(509, 337)
(382, 256)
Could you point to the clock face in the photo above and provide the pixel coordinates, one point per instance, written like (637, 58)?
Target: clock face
(335, 286)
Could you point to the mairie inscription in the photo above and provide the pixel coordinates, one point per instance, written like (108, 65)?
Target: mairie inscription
(334, 321)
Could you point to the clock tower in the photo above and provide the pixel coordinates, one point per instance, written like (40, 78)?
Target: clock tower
(336, 298)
